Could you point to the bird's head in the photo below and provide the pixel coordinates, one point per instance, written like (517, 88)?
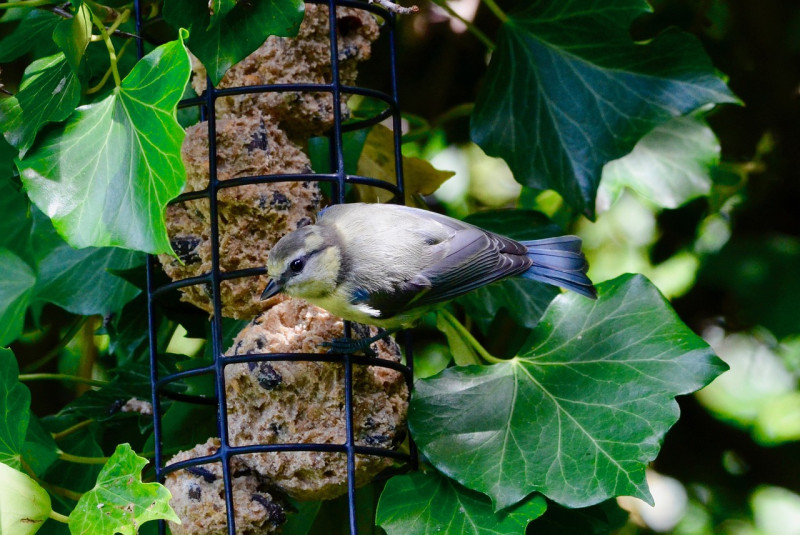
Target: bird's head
(305, 263)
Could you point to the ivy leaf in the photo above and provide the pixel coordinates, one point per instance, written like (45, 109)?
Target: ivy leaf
(49, 93)
(39, 449)
(567, 91)
(235, 35)
(16, 288)
(63, 279)
(579, 413)
(106, 176)
(37, 25)
(15, 401)
(120, 502)
(420, 177)
(525, 300)
(669, 166)
(463, 353)
(72, 36)
(220, 8)
(16, 223)
(422, 503)
(24, 504)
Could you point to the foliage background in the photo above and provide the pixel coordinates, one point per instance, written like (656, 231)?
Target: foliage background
(728, 258)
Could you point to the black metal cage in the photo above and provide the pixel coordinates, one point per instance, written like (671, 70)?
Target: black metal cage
(339, 181)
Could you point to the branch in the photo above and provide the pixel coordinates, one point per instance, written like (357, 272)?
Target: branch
(395, 8)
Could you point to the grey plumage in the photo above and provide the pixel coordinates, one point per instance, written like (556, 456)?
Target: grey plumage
(387, 264)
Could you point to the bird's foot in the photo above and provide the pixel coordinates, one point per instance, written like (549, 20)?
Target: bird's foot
(350, 345)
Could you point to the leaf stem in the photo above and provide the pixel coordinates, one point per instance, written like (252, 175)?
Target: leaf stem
(49, 487)
(104, 79)
(58, 517)
(69, 430)
(474, 30)
(496, 10)
(64, 456)
(25, 3)
(112, 55)
(61, 377)
(467, 336)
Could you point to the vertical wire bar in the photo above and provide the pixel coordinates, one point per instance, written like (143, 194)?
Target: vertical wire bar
(216, 320)
(338, 150)
(397, 123)
(137, 6)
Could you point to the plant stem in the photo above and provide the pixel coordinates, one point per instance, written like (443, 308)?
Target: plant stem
(64, 456)
(104, 79)
(25, 3)
(119, 20)
(474, 30)
(70, 430)
(58, 517)
(112, 55)
(496, 10)
(466, 335)
(61, 377)
(60, 491)
(53, 353)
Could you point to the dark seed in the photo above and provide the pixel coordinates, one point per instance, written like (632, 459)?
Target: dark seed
(252, 365)
(115, 407)
(377, 440)
(275, 511)
(184, 247)
(195, 493)
(275, 428)
(199, 471)
(304, 222)
(258, 140)
(280, 201)
(267, 377)
(238, 347)
(369, 423)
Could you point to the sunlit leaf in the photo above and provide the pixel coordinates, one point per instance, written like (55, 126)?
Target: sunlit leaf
(579, 413)
(235, 35)
(377, 161)
(72, 35)
(15, 401)
(106, 176)
(669, 166)
(24, 504)
(49, 93)
(422, 503)
(567, 91)
(120, 502)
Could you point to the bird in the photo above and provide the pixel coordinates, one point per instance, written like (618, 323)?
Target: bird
(387, 265)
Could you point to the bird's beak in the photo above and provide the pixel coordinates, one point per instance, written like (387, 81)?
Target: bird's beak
(271, 289)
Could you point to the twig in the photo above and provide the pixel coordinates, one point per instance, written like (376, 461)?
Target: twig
(64, 456)
(104, 79)
(112, 55)
(59, 491)
(395, 8)
(69, 430)
(61, 377)
(496, 10)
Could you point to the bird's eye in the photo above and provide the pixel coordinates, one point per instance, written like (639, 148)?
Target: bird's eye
(296, 266)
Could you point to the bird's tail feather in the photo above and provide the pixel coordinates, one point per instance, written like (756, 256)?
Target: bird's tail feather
(559, 261)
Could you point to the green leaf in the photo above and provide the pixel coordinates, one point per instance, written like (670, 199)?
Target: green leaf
(239, 32)
(106, 176)
(24, 504)
(220, 8)
(120, 502)
(463, 353)
(579, 413)
(16, 223)
(39, 449)
(15, 401)
(567, 91)
(422, 503)
(79, 280)
(72, 36)
(49, 93)
(16, 288)
(37, 25)
(525, 300)
(669, 166)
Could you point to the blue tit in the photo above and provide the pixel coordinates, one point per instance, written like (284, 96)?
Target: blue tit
(386, 265)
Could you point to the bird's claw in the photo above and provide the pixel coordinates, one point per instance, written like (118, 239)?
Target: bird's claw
(349, 345)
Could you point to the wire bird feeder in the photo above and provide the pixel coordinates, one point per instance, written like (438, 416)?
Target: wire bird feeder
(339, 181)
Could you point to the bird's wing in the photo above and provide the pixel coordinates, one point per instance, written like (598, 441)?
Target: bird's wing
(471, 258)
